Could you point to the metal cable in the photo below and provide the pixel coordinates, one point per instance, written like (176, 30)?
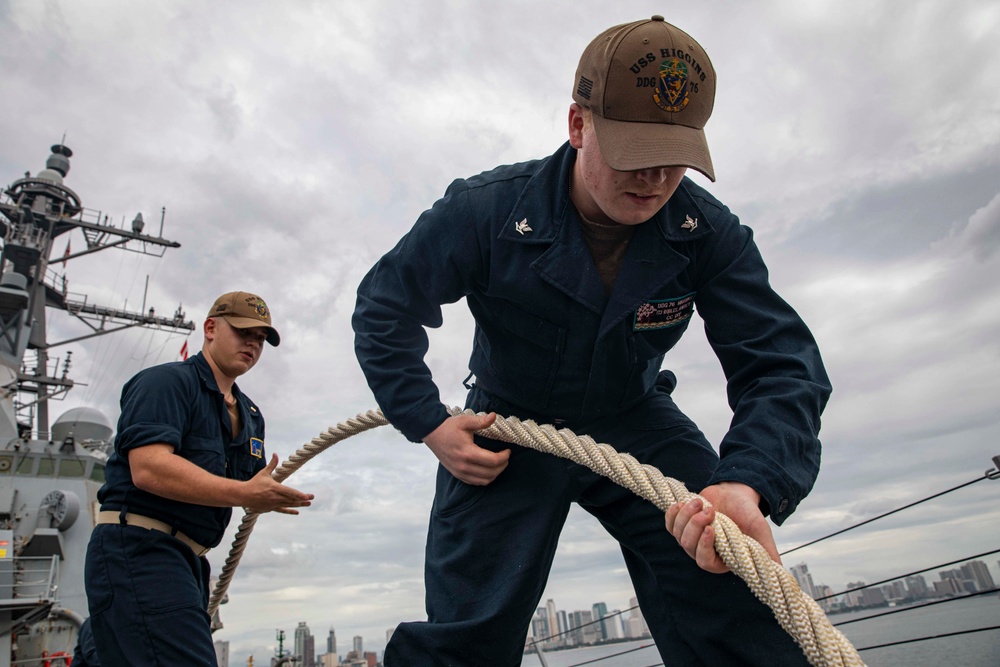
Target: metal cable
(882, 516)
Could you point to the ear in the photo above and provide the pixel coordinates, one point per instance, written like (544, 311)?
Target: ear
(209, 328)
(576, 126)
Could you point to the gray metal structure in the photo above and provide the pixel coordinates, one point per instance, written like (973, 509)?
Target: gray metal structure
(50, 474)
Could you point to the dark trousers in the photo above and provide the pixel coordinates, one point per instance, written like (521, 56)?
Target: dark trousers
(489, 551)
(148, 596)
(85, 653)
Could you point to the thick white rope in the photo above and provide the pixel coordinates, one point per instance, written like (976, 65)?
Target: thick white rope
(796, 612)
(358, 424)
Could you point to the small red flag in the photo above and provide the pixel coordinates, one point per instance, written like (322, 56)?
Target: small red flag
(184, 351)
(66, 254)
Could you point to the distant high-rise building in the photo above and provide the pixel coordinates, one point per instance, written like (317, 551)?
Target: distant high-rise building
(916, 586)
(305, 645)
(855, 598)
(309, 657)
(540, 626)
(600, 610)
(824, 597)
(960, 579)
(583, 630)
(554, 629)
(804, 579)
(358, 645)
(946, 588)
(977, 571)
(873, 597)
(222, 653)
(895, 590)
(613, 625)
(635, 624)
(331, 642)
(562, 627)
(300, 637)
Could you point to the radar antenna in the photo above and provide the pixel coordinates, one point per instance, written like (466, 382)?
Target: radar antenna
(34, 210)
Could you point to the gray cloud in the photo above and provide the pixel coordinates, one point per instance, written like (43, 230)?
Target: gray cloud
(293, 144)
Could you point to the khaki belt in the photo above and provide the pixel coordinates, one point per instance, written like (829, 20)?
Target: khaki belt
(140, 521)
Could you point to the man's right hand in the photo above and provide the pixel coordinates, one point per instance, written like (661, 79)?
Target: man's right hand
(452, 444)
(156, 469)
(267, 495)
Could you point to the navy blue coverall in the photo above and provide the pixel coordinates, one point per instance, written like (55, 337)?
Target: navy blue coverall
(147, 590)
(551, 346)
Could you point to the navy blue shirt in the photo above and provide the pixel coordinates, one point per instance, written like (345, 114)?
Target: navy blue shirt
(549, 339)
(179, 404)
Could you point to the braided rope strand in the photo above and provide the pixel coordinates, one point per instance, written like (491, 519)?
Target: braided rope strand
(358, 424)
(797, 613)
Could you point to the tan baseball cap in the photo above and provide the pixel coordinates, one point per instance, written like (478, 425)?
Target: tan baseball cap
(651, 89)
(244, 310)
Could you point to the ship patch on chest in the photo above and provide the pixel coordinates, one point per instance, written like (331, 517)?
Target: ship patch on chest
(663, 313)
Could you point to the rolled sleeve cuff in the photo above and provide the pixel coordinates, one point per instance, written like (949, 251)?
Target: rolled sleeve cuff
(420, 422)
(774, 486)
(137, 435)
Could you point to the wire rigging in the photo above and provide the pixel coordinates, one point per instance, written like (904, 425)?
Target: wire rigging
(882, 516)
(899, 610)
(928, 637)
(989, 474)
(615, 655)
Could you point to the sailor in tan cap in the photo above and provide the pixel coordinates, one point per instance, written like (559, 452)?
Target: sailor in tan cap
(189, 448)
(583, 270)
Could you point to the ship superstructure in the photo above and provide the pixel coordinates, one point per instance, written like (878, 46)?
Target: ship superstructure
(50, 474)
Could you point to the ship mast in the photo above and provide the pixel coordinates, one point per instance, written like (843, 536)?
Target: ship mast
(34, 210)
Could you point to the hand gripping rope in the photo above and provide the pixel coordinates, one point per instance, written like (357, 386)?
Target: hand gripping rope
(796, 612)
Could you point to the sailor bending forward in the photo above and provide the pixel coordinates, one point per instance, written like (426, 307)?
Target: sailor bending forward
(189, 448)
(582, 270)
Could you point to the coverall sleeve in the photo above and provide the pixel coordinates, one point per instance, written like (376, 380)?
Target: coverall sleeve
(776, 382)
(156, 404)
(435, 263)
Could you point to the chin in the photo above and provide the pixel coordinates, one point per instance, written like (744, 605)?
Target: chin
(634, 218)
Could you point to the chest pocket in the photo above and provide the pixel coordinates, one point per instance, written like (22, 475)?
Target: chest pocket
(646, 350)
(242, 464)
(205, 453)
(241, 459)
(523, 351)
(652, 343)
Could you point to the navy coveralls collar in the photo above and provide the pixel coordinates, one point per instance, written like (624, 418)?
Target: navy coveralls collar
(207, 378)
(555, 221)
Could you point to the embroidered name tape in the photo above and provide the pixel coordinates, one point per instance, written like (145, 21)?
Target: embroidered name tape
(663, 314)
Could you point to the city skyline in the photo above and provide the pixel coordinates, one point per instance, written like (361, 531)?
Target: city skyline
(601, 624)
(621, 624)
(970, 577)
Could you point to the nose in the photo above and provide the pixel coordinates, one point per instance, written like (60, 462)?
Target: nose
(255, 342)
(653, 176)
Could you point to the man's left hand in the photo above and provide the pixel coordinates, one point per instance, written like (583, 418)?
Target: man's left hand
(690, 523)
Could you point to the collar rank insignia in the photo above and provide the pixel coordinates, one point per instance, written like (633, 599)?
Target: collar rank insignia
(690, 223)
(256, 448)
(522, 227)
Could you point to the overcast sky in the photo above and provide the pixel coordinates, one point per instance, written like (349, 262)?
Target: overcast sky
(292, 144)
